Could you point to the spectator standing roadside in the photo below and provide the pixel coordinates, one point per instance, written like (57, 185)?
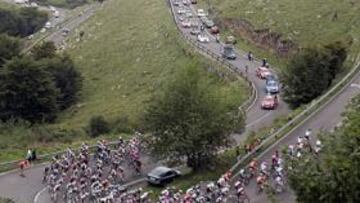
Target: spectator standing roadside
(250, 56)
(33, 155)
(264, 62)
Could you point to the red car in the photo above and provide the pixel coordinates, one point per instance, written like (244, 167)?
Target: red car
(270, 102)
(262, 72)
(186, 24)
(214, 30)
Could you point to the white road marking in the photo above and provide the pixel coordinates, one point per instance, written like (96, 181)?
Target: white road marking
(258, 120)
(38, 194)
(355, 85)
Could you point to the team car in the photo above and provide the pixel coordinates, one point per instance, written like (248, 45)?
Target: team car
(228, 53)
(203, 38)
(270, 102)
(162, 175)
(262, 72)
(272, 86)
(186, 24)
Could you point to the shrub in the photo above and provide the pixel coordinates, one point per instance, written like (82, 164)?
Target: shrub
(97, 126)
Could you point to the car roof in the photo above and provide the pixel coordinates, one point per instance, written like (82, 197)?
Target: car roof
(160, 170)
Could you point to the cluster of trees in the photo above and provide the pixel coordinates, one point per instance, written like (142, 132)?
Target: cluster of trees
(64, 3)
(188, 120)
(312, 71)
(21, 22)
(36, 87)
(334, 175)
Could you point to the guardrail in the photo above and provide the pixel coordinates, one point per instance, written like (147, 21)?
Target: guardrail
(281, 133)
(314, 107)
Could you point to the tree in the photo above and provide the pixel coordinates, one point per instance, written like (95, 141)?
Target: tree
(311, 72)
(27, 91)
(333, 175)
(306, 78)
(67, 79)
(21, 22)
(9, 47)
(189, 120)
(44, 50)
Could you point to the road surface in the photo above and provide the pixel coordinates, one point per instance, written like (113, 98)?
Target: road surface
(30, 188)
(27, 188)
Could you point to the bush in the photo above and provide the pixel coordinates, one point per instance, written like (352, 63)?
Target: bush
(22, 22)
(97, 126)
(311, 72)
(6, 200)
(9, 47)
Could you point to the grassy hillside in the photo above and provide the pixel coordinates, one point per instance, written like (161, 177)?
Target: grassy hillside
(305, 22)
(129, 50)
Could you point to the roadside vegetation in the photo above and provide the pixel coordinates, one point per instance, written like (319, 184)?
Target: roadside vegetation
(6, 200)
(122, 65)
(64, 3)
(273, 29)
(190, 121)
(311, 72)
(333, 175)
(21, 22)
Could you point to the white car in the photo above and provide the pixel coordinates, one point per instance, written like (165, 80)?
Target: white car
(33, 4)
(52, 8)
(203, 38)
(201, 13)
(47, 25)
(56, 14)
(176, 3)
(186, 2)
(188, 14)
(181, 11)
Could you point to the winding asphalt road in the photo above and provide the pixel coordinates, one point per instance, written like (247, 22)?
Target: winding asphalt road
(25, 189)
(326, 119)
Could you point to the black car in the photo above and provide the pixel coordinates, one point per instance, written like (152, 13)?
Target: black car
(162, 175)
(228, 53)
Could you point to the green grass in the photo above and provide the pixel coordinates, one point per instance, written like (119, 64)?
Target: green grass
(305, 22)
(7, 6)
(129, 51)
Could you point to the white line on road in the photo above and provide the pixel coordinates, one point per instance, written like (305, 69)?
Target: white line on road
(38, 194)
(259, 119)
(355, 85)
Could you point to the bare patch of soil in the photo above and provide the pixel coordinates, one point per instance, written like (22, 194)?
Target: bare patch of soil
(262, 38)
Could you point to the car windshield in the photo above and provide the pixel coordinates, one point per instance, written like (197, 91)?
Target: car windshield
(268, 99)
(272, 83)
(160, 171)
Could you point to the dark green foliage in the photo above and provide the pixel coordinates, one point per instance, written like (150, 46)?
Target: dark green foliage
(311, 72)
(6, 200)
(9, 47)
(67, 79)
(44, 50)
(64, 3)
(190, 120)
(97, 126)
(334, 176)
(27, 91)
(22, 22)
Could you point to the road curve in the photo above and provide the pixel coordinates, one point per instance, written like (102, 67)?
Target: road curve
(25, 189)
